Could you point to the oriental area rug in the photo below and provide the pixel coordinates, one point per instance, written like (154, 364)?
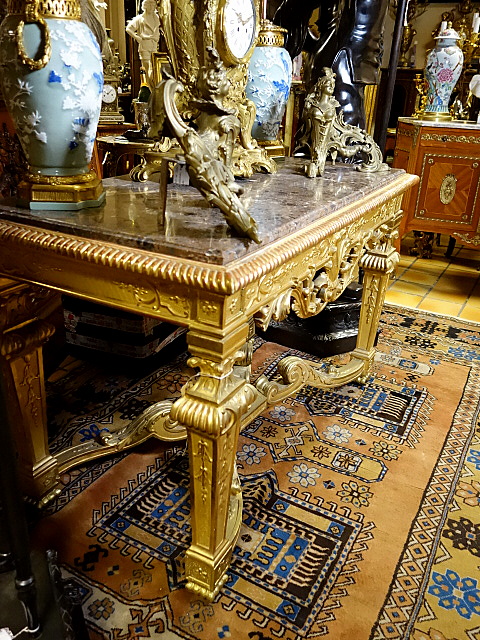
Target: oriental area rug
(361, 515)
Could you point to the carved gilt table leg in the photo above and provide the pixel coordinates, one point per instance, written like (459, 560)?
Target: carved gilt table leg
(211, 408)
(21, 367)
(378, 263)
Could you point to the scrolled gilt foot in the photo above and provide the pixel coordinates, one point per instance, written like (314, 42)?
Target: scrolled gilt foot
(248, 161)
(204, 592)
(294, 373)
(46, 498)
(149, 165)
(139, 173)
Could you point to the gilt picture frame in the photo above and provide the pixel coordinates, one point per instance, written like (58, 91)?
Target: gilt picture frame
(160, 63)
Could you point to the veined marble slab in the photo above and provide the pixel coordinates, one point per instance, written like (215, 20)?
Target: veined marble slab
(281, 204)
(450, 124)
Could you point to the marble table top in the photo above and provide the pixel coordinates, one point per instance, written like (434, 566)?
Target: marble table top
(281, 204)
(450, 124)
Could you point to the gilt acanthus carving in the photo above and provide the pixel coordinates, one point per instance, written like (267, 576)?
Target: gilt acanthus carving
(148, 298)
(26, 339)
(22, 302)
(307, 291)
(208, 149)
(213, 399)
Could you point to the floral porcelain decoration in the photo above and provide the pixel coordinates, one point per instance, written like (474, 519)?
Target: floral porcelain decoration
(442, 70)
(269, 81)
(56, 109)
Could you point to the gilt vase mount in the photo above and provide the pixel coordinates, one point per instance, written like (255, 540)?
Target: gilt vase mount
(52, 81)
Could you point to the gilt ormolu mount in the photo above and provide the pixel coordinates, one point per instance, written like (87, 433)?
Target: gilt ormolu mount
(208, 148)
(190, 30)
(327, 134)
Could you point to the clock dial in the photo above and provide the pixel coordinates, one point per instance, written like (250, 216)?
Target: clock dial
(109, 94)
(238, 28)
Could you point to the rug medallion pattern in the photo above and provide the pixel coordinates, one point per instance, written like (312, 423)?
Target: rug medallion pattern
(361, 504)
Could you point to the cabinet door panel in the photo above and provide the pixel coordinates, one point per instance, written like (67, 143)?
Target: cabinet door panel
(448, 191)
(401, 158)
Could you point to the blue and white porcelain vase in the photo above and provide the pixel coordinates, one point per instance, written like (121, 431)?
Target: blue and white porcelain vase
(51, 75)
(442, 70)
(269, 81)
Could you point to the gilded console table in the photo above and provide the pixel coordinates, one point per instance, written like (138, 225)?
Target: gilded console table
(186, 268)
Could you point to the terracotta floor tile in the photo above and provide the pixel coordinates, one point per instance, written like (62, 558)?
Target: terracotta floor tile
(420, 276)
(399, 273)
(474, 298)
(461, 282)
(476, 288)
(431, 270)
(410, 287)
(450, 286)
(436, 258)
(405, 266)
(441, 306)
(407, 242)
(469, 255)
(403, 299)
(467, 249)
(470, 313)
(449, 295)
(406, 260)
(436, 267)
(469, 266)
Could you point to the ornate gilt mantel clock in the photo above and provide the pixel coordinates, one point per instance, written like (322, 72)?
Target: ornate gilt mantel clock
(110, 111)
(230, 27)
(237, 28)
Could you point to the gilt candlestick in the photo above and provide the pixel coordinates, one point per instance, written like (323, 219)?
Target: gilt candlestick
(408, 33)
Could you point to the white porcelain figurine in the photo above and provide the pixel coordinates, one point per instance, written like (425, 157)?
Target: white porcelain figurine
(145, 29)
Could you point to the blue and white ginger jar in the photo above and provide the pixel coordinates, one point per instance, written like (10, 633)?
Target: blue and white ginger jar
(269, 81)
